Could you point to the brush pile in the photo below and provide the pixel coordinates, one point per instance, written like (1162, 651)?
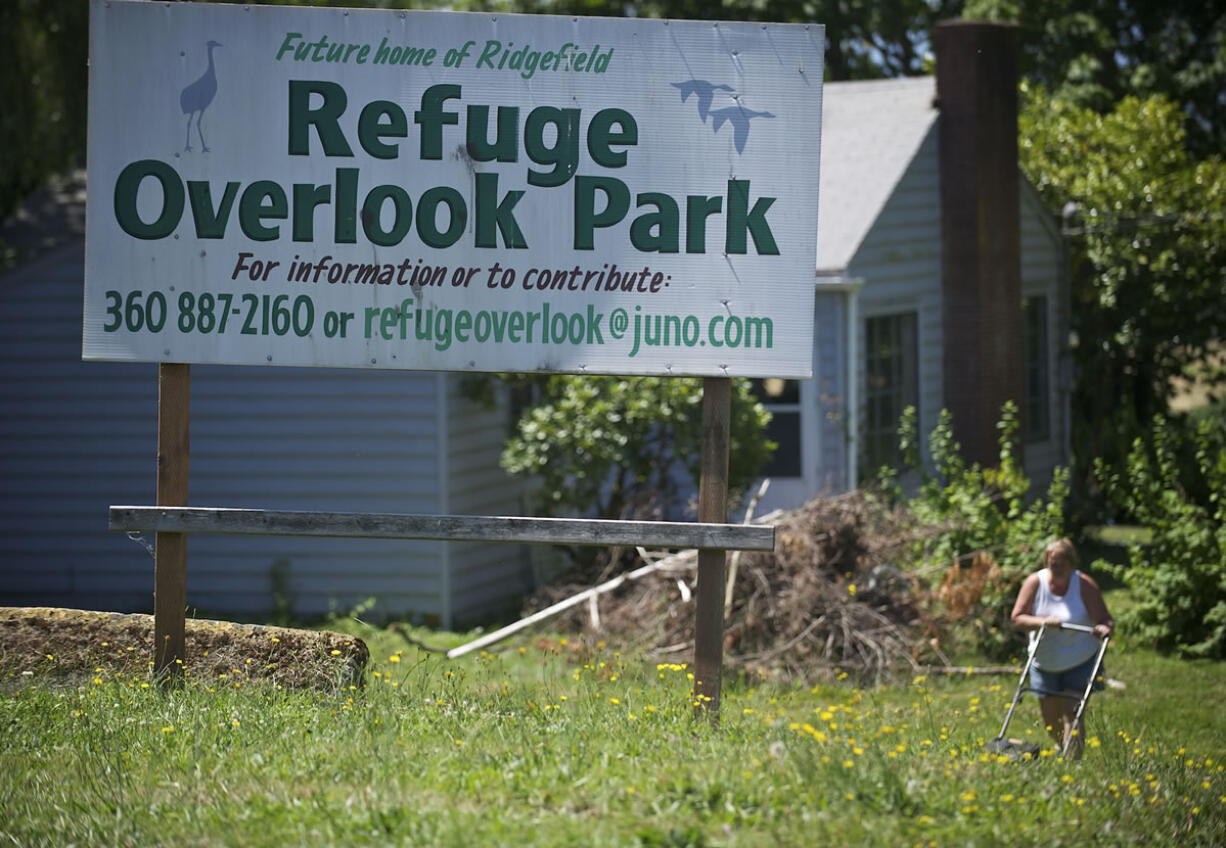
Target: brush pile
(832, 598)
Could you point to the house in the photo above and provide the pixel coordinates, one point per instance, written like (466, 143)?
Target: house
(939, 284)
(941, 277)
(80, 436)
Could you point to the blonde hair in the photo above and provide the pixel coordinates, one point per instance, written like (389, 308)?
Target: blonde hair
(1061, 547)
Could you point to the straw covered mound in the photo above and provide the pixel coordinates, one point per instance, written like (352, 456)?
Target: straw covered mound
(72, 644)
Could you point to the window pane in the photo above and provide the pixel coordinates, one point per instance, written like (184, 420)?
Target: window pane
(891, 385)
(782, 399)
(784, 430)
(775, 390)
(1035, 365)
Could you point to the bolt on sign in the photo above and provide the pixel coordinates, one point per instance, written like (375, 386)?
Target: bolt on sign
(451, 191)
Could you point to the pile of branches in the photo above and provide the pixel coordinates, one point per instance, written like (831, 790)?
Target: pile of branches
(830, 599)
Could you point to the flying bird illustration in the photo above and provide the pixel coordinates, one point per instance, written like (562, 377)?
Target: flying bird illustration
(196, 98)
(739, 117)
(703, 90)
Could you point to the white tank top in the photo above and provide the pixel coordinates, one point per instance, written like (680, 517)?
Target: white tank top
(1062, 649)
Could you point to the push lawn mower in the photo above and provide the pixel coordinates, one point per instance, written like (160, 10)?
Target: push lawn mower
(1019, 749)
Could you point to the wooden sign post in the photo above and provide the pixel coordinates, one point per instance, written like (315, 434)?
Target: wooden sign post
(712, 508)
(170, 566)
(562, 281)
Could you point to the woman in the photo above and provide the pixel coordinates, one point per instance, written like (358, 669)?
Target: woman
(1061, 594)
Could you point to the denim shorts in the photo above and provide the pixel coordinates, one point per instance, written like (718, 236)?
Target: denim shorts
(1070, 681)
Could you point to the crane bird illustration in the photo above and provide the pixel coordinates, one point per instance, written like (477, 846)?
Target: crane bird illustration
(739, 117)
(703, 90)
(196, 98)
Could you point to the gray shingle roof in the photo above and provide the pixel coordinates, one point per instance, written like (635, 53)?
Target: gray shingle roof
(871, 131)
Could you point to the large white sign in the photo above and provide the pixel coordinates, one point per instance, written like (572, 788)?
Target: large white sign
(447, 191)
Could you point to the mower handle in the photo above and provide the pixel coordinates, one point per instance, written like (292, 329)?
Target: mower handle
(1081, 628)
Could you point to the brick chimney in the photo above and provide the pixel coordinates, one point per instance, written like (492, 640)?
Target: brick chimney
(976, 75)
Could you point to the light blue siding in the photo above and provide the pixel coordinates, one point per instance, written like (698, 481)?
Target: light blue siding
(830, 384)
(485, 578)
(81, 436)
(900, 263)
(314, 439)
(55, 484)
(1043, 264)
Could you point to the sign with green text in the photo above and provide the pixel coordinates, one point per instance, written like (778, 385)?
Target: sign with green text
(451, 191)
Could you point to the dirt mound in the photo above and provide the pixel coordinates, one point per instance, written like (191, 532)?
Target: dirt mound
(72, 644)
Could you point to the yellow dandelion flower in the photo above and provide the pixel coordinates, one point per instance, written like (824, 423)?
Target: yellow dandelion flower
(335, 652)
(393, 658)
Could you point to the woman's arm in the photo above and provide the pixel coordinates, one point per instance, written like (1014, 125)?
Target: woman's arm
(1092, 597)
(1023, 607)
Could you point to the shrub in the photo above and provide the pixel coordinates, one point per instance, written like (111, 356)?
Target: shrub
(1179, 578)
(619, 447)
(978, 517)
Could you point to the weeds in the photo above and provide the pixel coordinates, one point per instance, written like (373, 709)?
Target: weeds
(563, 742)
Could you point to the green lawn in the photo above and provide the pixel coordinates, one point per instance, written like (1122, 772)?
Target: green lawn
(553, 743)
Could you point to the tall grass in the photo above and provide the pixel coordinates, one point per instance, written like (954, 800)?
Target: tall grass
(558, 743)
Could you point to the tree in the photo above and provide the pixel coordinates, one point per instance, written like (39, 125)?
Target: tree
(1094, 53)
(1148, 243)
(43, 85)
(1179, 578)
(865, 39)
(979, 524)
